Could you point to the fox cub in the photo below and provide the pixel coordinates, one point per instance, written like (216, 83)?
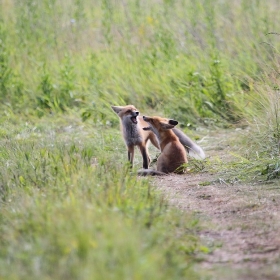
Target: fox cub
(173, 155)
(132, 128)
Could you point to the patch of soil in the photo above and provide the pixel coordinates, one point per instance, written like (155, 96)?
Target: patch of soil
(240, 222)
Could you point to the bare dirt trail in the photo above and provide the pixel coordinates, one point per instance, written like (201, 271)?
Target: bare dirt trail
(240, 222)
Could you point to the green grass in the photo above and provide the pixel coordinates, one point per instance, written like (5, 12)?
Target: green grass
(69, 206)
(195, 60)
(71, 209)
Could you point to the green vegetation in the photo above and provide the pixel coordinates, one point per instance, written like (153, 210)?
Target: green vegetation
(69, 206)
(196, 60)
(70, 211)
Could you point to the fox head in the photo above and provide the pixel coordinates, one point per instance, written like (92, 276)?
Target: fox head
(158, 124)
(127, 113)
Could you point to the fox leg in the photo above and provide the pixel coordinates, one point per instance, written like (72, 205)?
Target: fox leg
(130, 154)
(154, 140)
(145, 156)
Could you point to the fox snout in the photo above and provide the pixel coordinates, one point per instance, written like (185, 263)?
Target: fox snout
(134, 115)
(146, 120)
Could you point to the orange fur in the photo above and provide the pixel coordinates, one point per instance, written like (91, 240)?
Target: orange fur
(173, 154)
(134, 135)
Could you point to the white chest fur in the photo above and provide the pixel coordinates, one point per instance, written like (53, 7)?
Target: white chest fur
(131, 133)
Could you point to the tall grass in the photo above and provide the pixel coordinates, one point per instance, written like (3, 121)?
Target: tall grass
(71, 209)
(69, 206)
(191, 59)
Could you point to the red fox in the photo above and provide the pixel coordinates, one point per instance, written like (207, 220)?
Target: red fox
(132, 128)
(173, 154)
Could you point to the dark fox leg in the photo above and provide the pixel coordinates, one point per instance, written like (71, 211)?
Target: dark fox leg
(130, 154)
(145, 156)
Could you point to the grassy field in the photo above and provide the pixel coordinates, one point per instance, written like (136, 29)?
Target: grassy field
(69, 206)
(70, 211)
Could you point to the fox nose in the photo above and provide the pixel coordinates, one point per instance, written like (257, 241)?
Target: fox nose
(137, 113)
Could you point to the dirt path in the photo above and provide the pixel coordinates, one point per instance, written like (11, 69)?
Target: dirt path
(240, 222)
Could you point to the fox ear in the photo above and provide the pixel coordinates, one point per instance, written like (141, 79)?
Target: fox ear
(147, 128)
(173, 122)
(166, 126)
(117, 109)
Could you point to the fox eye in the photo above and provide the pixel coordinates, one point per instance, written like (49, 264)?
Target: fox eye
(128, 111)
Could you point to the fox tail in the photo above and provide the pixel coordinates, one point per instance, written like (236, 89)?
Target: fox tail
(193, 149)
(149, 172)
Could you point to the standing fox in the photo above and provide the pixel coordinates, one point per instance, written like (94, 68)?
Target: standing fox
(173, 154)
(132, 127)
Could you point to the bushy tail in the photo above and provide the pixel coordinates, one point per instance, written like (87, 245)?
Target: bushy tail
(149, 172)
(193, 149)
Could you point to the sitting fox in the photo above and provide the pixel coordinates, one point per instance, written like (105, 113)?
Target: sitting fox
(173, 155)
(132, 128)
